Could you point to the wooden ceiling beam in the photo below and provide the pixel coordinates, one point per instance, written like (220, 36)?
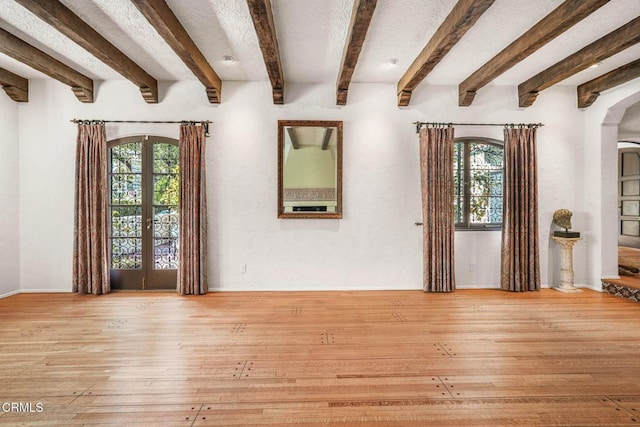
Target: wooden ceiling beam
(601, 49)
(262, 17)
(555, 23)
(293, 136)
(461, 18)
(360, 20)
(162, 18)
(18, 49)
(588, 92)
(68, 23)
(17, 87)
(326, 138)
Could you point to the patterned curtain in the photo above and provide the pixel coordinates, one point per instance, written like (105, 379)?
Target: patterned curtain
(90, 250)
(192, 269)
(436, 172)
(520, 255)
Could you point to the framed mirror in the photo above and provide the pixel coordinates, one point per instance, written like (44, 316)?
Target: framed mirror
(309, 169)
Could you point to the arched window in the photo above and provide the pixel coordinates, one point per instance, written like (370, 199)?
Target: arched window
(143, 212)
(478, 169)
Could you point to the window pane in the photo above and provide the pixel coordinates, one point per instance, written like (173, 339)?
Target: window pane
(126, 221)
(166, 193)
(631, 228)
(483, 189)
(486, 210)
(127, 158)
(166, 185)
(126, 209)
(165, 158)
(166, 189)
(165, 222)
(630, 164)
(126, 189)
(631, 207)
(631, 188)
(485, 156)
(486, 182)
(165, 238)
(126, 254)
(458, 181)
(165, 254)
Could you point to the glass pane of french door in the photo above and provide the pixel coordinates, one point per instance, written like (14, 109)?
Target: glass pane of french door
(629, 197)
(144, 198)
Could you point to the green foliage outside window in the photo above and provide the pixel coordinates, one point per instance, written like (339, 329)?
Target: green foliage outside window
(166, 186)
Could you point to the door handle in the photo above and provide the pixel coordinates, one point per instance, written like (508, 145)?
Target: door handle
(148, 223)
(419, 224)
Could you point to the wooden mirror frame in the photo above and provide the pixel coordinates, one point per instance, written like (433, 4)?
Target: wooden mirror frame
(282, 124)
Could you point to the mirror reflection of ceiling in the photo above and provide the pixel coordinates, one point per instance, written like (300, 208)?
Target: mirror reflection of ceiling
(310, 157)
(312, 135)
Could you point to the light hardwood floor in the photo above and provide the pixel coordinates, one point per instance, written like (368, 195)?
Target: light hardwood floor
(392, 358)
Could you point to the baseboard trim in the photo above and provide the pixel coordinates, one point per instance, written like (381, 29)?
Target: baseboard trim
(247, 289)
(462, 287)
(295, 289)
(35, 291)
(577, 285)
(45, 291)
(597, 288)
(8, 294)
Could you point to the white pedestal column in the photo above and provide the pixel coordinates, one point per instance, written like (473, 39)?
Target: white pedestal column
(566, 264)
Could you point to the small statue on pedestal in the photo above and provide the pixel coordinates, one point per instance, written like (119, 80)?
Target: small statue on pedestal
(562, 218)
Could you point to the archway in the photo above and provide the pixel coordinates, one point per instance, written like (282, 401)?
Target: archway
(601, 136)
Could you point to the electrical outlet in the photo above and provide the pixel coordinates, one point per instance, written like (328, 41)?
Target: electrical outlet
(243, 268)
(472, 266)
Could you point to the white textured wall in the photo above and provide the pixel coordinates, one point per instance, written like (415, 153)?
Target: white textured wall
(9, 197)
(375, 246)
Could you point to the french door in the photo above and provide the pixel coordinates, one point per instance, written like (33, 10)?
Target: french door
(144, 194)
(629, 196)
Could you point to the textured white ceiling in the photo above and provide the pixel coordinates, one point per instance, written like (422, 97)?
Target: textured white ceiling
(120, 22)
(220, 28)
(311, 35)
(608, 18)
(400, 30)
(23, 24)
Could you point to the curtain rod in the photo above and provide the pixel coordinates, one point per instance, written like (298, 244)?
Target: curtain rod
(204, 123)
(512, 125)
(139, 121)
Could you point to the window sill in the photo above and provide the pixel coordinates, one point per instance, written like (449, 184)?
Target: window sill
(482, 229)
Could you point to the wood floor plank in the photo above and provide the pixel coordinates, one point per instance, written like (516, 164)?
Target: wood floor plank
(384, 358)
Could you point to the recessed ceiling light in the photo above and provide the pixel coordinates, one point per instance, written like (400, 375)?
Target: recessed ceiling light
(596, 65)
(228, 59)
(390, 63)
